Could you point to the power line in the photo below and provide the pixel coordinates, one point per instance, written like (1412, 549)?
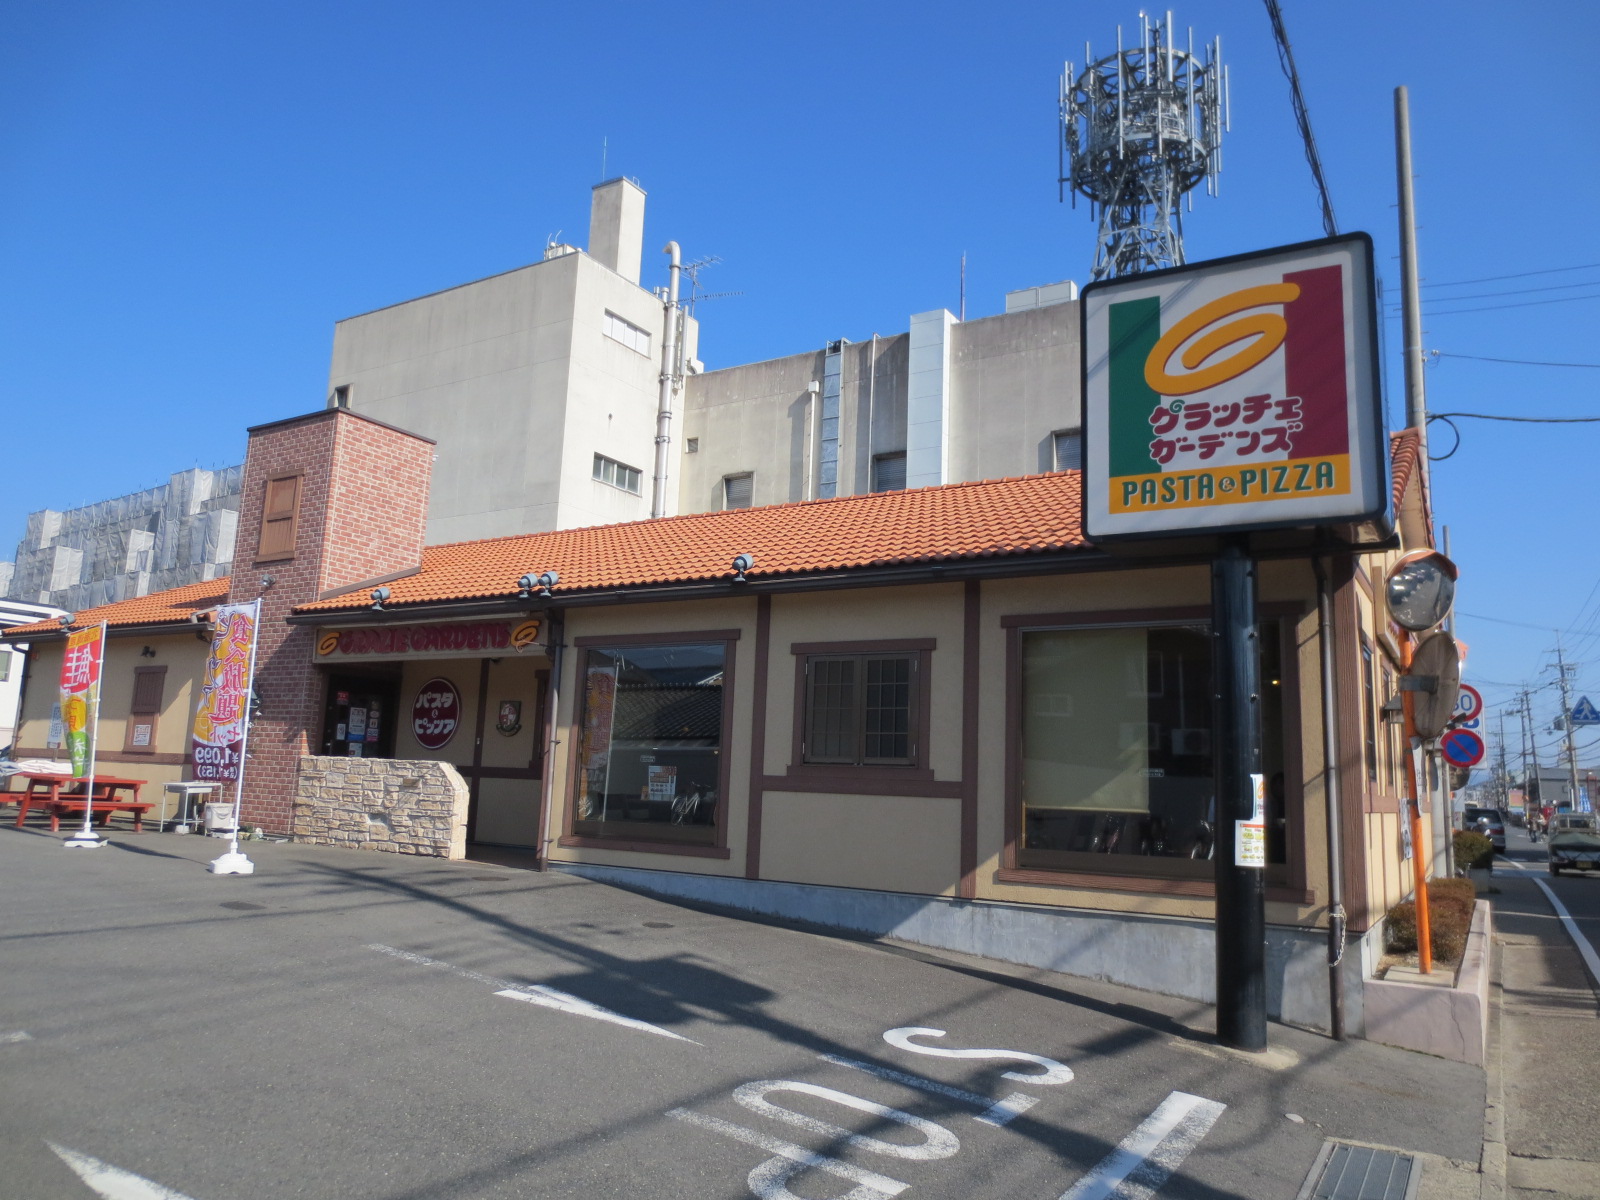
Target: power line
(1517, 275)
(1450, 312)
(1302, 118)
(1528, 420)
(1521, 362)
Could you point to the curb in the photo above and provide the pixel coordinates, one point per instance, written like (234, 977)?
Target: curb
(1492, 1163)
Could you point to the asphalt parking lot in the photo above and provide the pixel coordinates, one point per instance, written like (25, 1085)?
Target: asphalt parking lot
(349, 1024)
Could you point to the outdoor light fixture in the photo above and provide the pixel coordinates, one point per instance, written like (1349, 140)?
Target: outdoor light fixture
(379, 595)
(544, 581)
(741, 564)
(267, 581)
(147, 652)
(1421, 588)
(66, 620)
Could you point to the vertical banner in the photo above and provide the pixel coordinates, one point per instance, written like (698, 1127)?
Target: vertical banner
(80, 693)
(219, 722)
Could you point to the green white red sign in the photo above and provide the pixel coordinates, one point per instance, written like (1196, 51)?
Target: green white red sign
(1240, 393)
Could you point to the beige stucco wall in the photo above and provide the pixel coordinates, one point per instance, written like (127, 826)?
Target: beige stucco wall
(884, 843)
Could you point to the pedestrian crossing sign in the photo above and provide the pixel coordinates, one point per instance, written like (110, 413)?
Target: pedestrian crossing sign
(1585, 713)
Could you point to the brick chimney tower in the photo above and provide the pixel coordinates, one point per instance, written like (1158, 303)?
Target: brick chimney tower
(331, 501)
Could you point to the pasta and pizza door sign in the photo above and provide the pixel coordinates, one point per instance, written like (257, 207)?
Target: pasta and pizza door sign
(436, 714)
(1236, 394)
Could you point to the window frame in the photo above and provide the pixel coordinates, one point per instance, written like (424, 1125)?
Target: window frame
(874, 472)
(726, 479)
(1286, 882)
(292, 518)
(636, 332)
(585, 645)
(601, 461)
(152, 714)
(1055, 448)
(876, 778)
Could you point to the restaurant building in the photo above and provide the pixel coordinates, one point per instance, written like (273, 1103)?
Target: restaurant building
(938, 713)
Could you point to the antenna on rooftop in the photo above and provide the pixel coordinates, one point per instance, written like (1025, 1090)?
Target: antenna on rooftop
(1140, 129)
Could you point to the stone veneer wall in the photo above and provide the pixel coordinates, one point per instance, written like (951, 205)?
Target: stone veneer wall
(405, 806)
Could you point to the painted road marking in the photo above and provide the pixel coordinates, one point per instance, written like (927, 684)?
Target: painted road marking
(767, 1179)
(16, 1035)
(110, 1182)
(990, 1112)
(533, 993)
(1054, 1072)
(548, 997)
(1585, 948)
(1144, 1159)
(938, 1142)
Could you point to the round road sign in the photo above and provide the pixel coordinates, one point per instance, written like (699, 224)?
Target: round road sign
(1469, 706)
(1461, 747)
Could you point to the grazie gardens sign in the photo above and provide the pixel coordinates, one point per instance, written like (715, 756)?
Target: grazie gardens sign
(1240, 393)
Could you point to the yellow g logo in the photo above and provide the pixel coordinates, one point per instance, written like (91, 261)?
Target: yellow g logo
(328, 643)
(525, 635)
(1268, 330)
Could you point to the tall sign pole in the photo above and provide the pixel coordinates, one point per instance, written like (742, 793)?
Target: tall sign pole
(1221, 399)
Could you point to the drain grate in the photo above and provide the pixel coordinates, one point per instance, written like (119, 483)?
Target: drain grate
(1347, 1172)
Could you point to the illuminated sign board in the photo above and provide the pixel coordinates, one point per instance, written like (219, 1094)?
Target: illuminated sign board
(442, 639)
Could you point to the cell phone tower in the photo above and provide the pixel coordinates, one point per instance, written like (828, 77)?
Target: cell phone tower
(1140, 129)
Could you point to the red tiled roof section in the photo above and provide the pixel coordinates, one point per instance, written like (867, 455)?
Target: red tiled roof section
(1404, 447)
(174, 604)
(998, 517)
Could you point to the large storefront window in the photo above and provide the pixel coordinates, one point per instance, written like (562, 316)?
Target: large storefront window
(649, 762)
(1116, 771)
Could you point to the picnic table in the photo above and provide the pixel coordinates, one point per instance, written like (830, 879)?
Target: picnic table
(63, 795)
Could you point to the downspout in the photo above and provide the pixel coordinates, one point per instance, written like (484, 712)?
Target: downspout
(1330, 775)
(872, 389)
(669, 373)
(552, 703)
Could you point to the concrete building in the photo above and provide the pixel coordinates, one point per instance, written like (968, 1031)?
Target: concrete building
(540, 385)
(178, 533)
(14, 663)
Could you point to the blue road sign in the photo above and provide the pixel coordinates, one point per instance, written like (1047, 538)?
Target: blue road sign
(1585, 713)
(1461, 747)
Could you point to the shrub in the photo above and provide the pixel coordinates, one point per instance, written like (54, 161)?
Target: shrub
(1473, 849)
(1450, 904)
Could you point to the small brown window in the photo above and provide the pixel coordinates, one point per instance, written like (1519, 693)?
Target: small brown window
(149, 683)
(861, 709)
(279, 513)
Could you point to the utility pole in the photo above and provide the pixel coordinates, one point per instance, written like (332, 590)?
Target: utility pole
(1505, 797)
(1410, 304)
(1566, 721)
(1530, 783)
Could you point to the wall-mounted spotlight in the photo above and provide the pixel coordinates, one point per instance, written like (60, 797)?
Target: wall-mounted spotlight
(66, 620)
(379, 595)
(267, 581)
(741, 564)
(544, 581)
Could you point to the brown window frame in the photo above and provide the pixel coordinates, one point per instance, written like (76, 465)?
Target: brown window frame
(269, 518)
(913, 778)
(585, 645)
(1285, 882)
(151, 708)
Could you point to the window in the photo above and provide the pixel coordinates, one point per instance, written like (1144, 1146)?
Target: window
(609, 470)
(1373, 716)
(279, 515)
(889, 472)
(626, 332)
(148, 685)
(340, 397)
(1115, 770)
(5, 665)
(650, 754)
(737, 491)
(691, 445)
(1068, 449)
(861, 709)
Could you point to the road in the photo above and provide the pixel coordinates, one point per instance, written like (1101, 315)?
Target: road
(355, 1025)
(1550, 1024)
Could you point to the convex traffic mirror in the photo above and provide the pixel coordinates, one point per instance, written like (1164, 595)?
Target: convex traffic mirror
(1421, 588)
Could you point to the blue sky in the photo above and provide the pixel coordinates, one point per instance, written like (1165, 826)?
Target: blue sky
(191, 194)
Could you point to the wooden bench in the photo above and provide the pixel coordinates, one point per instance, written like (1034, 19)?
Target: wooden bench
(104, 806)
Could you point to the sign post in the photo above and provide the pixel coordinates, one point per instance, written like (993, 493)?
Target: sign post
(80, 714)
(222, 719)
(1222, 398)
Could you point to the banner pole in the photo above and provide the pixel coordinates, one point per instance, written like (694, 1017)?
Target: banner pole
(233, 862)
(86, 838)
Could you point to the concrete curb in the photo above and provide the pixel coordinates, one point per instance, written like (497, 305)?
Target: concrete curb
(1492, 1162)
(1446, 1021)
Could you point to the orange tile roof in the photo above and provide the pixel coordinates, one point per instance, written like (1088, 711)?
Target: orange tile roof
(994, 518)
(173, 605)
(1404, 449)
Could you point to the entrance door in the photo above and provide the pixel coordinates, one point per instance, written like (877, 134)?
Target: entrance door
(360, 715)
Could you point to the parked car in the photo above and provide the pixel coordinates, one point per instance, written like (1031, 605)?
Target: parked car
(1487, 822)
(1574, 848)
(1572, 820)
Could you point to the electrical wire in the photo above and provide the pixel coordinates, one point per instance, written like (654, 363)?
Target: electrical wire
(1526, 420)
(1521, 362)
(1302, 117)
(1450, 312)
(1516, 275)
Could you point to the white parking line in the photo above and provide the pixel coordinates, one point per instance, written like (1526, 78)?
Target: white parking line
(998, 1113)
(533, 993)
(16, 1035)
(1144, 1159)
(112, 1183)
(768, 1178)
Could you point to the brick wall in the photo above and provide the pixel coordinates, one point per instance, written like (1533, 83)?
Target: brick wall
(363, 505)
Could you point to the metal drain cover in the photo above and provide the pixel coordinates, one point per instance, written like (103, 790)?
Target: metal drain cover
(1347, 1172)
